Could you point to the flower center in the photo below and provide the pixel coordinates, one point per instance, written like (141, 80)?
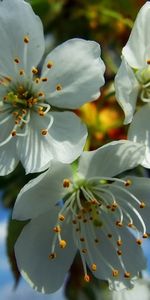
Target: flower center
(95, 208)
(143, 76)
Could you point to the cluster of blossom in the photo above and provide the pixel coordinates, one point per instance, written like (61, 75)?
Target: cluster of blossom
(92, 210)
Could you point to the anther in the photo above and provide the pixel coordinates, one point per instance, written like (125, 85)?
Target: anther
(148, 61)
(44, 79)
(62, 244)
(139, 242)
(109, 235)
(119, 252)
(44, 131)
(94, 267)
(14, 133)
(119, 242)
(119, 223)
(61, 218)
(52, 255)
(82, 239)
(21, 72)
(57, 229)
(145, 236)
(94, 201)
(17, 60)
(128, 182)
(41, 94)
(66, 183)
(115, 273)
(24, 111)
(26, 39)
(86, 278)
(84, 250)
(74, 222)
(127, 275)
(58, 87)
(50, 64)
(37, 80)
(34, 70)
(142, 204)
(130, 225)
(96, 241)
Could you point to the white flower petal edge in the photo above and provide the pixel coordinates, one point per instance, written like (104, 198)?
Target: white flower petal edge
(140, 291)
(137, 49)
(111, 159)
(49, 189)
(139, 131)
(35, 265)
(76, 71)
(127, 89)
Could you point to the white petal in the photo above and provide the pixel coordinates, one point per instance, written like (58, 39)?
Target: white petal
(34, 149)
(8, 158)
(41, 193)
(68, 136)
(18, 20)
(111, 159)
(139, 131)
(33, 248)
(78, 69)
(127, 88)
(137, 49)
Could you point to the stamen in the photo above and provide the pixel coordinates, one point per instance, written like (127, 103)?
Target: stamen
(35, 71)
(86, 278)
(66, 183)
(52, 255)
(21, 72)
(115, 273)
(58, 87)
(94, 267)
(127, 275)
(26, 39)
(50, 64)
(62, 244)
(44, 132)
(17, 60)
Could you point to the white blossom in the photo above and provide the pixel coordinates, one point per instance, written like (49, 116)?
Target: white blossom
(36, 121)
(93, 212)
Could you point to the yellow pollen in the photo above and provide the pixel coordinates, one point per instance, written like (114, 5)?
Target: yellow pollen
(62, 244)
(142, 204)
(26, 39)
(139, 242)
(58, 87)
(119, 252)
(66, 183)
(17, 60)
(34, 70)
(115, 273)
(57, 229)
(13, 133)
(94, 267)
(119, 242)
(50, 64)
(52, 255)
(127, 275)
(21, 72)
(128, 182)
(145, 236)
(86, 278)
(61, 218)
(44, 79)
(44, 131)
